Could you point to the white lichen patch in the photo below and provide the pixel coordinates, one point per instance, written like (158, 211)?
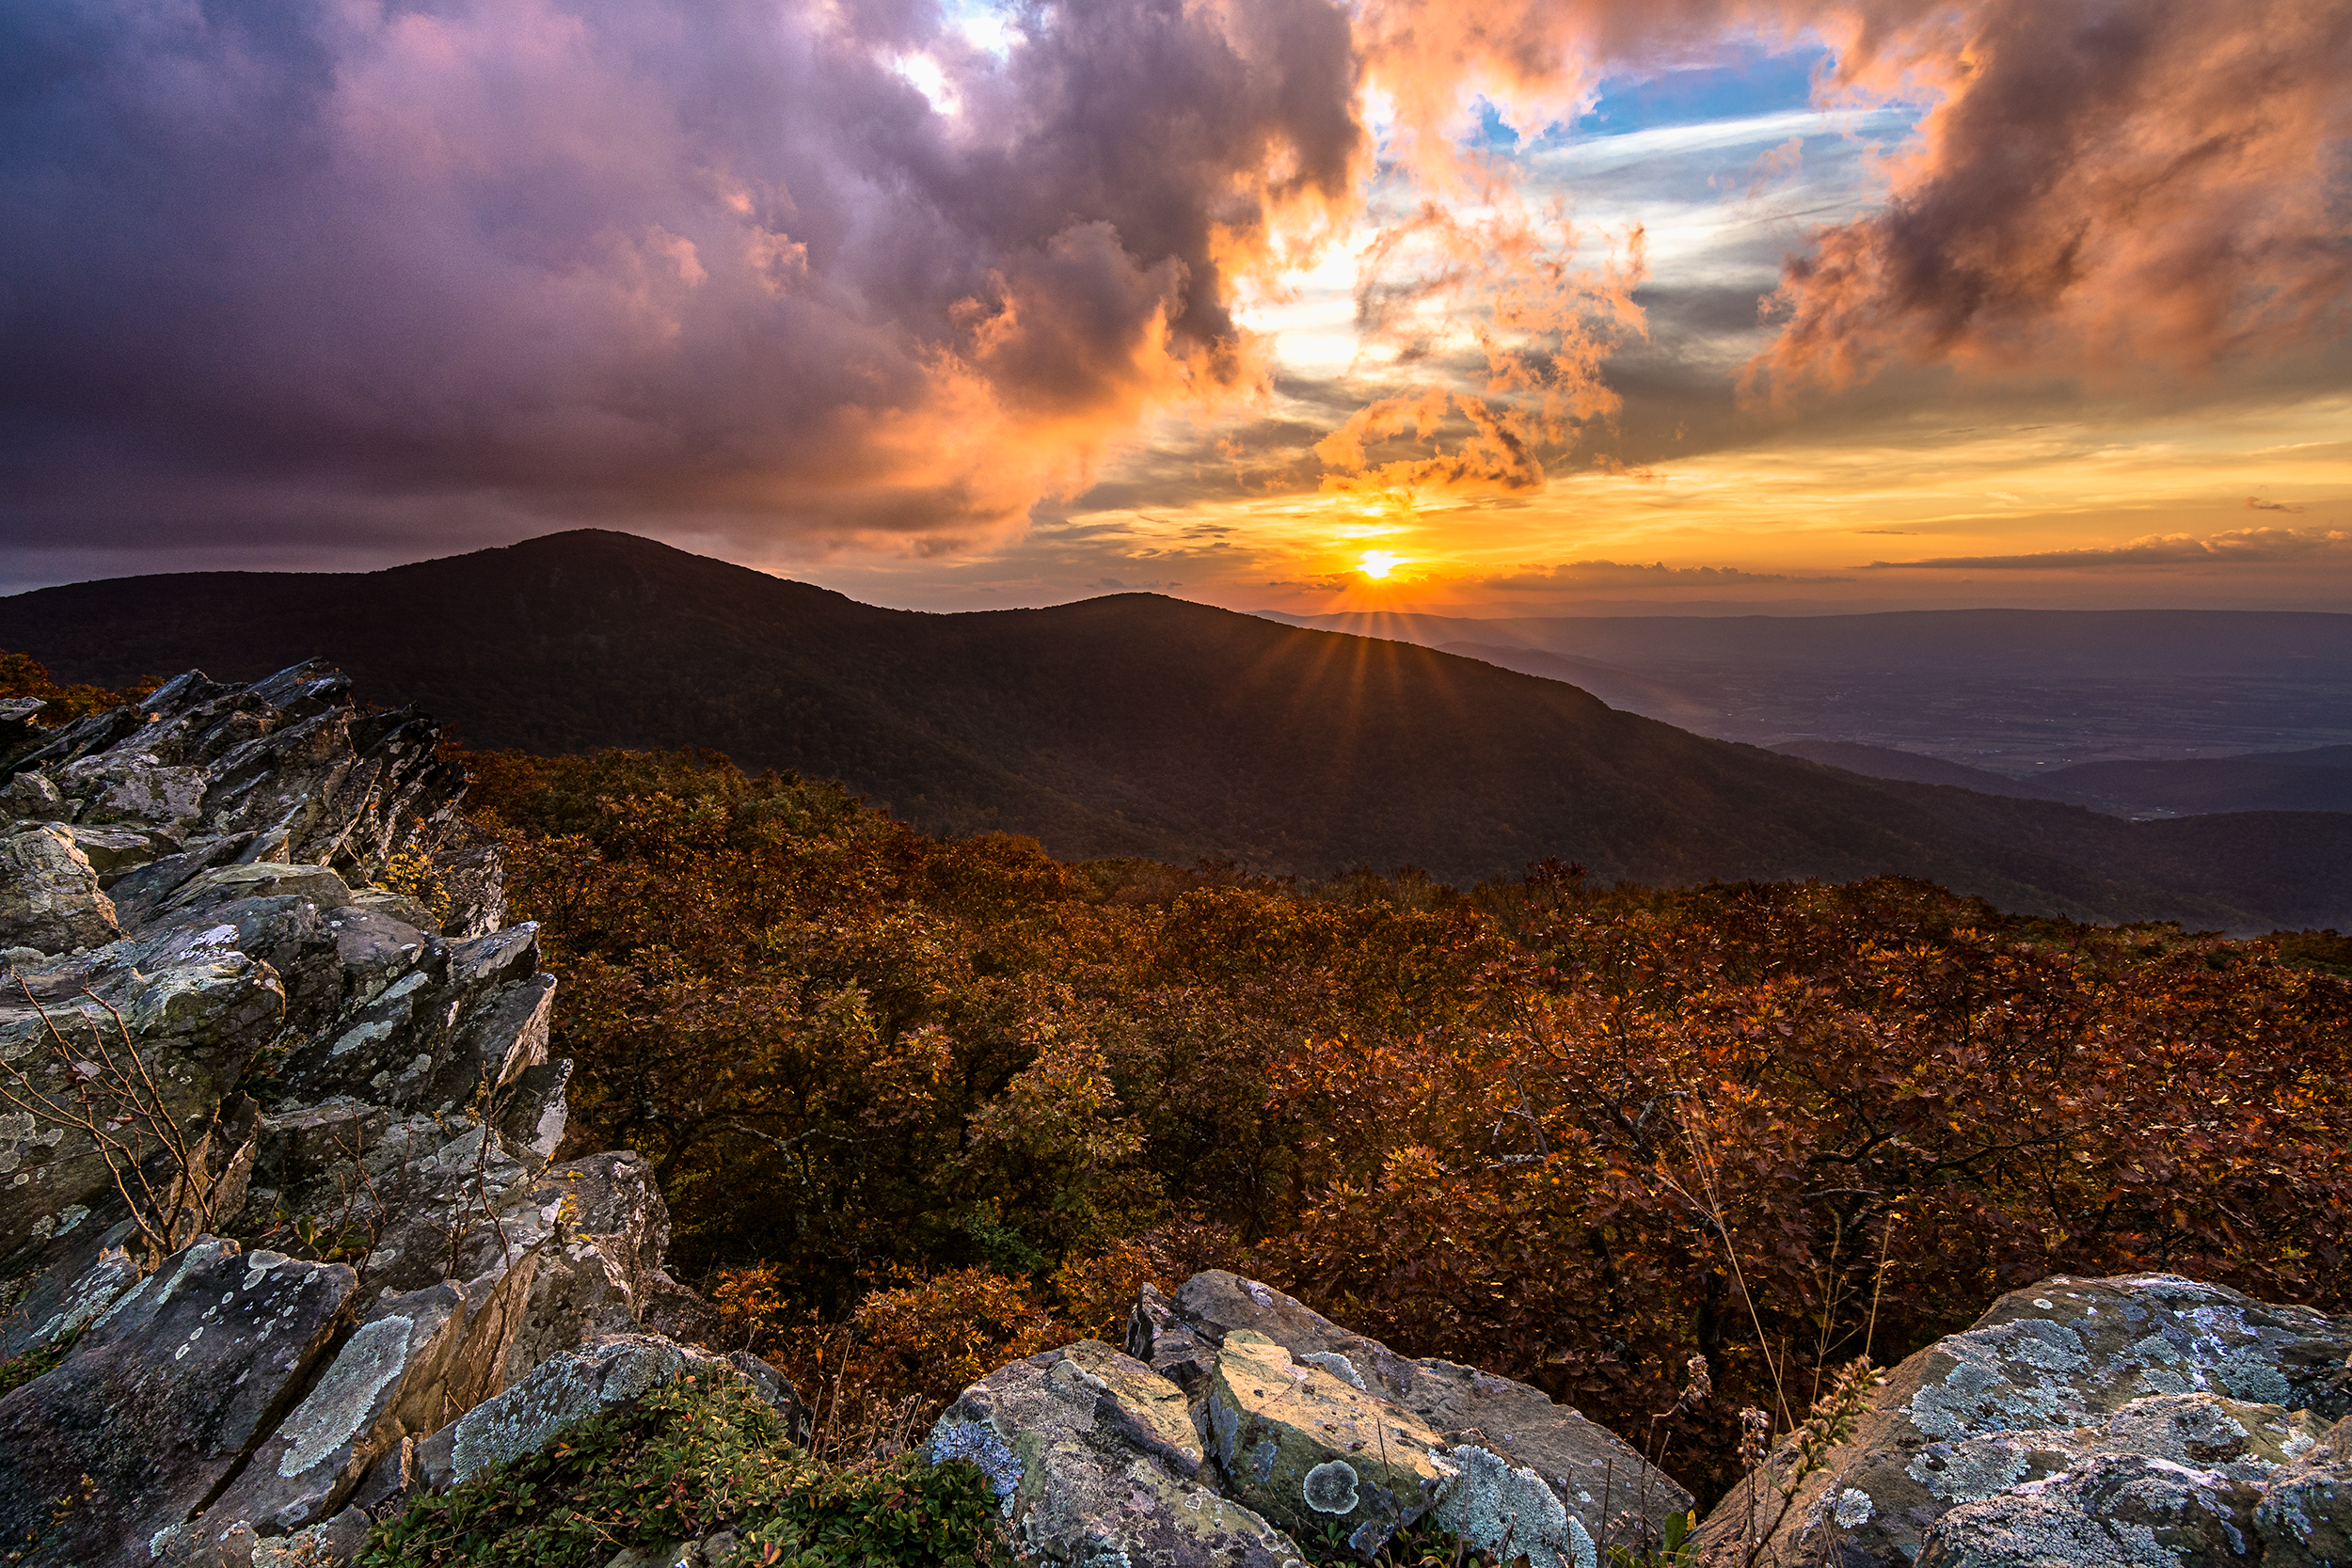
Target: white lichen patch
(1337, 1365)
(1967, 1472)
(346, 1396)
(977, 1442)
(1490, 1495)
(1330, 1488)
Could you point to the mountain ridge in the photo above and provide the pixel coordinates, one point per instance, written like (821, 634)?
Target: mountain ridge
(1137, 724)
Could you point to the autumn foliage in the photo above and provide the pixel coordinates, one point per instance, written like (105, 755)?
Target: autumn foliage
(23, 675)
(920, 1105)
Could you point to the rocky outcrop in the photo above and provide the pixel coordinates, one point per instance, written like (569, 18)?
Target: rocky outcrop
(341, 1090)
(1237, 1422)
(2148, 1420)
(162, 1400)
(1096, 1460)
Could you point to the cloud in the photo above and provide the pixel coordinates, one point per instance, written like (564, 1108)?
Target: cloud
(720, 261)
(1610, 573)
(2247, 547)
(821, 272)
(2255, 503)
(2100, 187)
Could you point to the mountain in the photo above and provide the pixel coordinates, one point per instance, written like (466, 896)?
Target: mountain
(2319, 779)
(1881, 761)
(1140, 725)
(2021, 692)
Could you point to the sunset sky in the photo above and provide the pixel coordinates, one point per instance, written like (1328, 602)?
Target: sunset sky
(1492, 309)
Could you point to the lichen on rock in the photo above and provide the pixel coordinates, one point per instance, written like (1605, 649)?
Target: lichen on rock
(2079, 1420)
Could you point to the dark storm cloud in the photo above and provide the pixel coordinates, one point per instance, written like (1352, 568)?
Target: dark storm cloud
(718, 260)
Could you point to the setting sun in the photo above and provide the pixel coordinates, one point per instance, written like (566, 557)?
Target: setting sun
(1379, 563)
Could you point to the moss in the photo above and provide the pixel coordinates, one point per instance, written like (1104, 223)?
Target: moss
(690, 1460)
(17, 1371)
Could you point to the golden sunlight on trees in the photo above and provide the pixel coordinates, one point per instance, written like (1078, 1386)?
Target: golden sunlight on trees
(920, 1106)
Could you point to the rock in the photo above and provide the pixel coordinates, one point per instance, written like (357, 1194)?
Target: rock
(391, 1104)
(384, 1384)
(398, 907)
(131, 785)
(2074, 1410)
(113, 853)
(189, 1007)
(167, 1392)
(49, 893)
(605, 1373)
(1593, 1474)
(34, 797)
(1314, 1453)
(228, 885)
(430, 1030)
(2305, 1519)
(604, 1268)
(17, 715)
(283, 770)
(1096, 1461)
(1513, 1510)
(328, 1544)
(775, 1390)
(2113, 1508)
(532, 1111)
(62, 1302)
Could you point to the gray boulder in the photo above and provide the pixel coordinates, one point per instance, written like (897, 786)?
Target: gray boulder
(384, 1384)
(165, 1395)
(2305, 1517)
(49, 893)
(60, 1303)
(605, 1373)
(356, 1076)
(2078, 1418)
(286, 769)
(1594, 1478)
(1095, 1460)
(1311, 1452)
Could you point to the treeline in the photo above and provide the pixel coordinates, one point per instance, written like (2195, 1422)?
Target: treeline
(918, 1106)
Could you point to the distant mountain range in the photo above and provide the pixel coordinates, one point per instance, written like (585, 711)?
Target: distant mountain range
(2319, 779)
(1140, 725)
(2015, 693)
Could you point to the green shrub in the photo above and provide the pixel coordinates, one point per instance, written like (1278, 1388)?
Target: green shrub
(690, 1460)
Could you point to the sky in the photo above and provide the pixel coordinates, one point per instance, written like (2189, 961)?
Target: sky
(1508, 308)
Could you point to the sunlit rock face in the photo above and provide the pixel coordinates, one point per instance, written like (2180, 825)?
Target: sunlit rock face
(356, 1078)
(1095, 1458)
(2147, 1418)
(1238, 1423)
(1506, 1456)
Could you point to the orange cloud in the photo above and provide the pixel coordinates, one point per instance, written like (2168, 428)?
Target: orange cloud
(2101, 188)
(1507, 287)
(2250, 546)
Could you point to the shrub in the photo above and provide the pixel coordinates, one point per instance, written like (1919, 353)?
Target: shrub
(690, 1460)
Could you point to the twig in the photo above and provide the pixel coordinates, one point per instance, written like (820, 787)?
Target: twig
(1886, 1236)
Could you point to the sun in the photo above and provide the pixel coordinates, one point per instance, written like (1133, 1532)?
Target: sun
(1379, 563)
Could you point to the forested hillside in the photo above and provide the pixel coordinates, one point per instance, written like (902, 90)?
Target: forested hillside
(1141, 725)
(920, 1104)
